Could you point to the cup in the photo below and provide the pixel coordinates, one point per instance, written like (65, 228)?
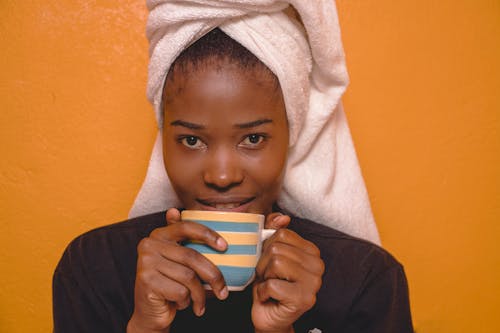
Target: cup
(244, 234)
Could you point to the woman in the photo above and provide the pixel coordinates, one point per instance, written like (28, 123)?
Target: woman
(227, 130)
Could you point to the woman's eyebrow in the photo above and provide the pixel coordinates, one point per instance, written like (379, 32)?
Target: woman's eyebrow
(254, 123)
(187, 124)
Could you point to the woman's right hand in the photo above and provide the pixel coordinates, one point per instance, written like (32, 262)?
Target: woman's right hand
(168, 274)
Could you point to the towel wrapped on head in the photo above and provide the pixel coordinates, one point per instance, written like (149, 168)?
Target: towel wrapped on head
(299, 41)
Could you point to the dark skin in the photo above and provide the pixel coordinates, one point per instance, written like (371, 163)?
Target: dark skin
(226, 138)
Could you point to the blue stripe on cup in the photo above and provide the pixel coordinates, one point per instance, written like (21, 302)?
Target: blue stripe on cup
(237, 276)
(225, 226)
(232, 249)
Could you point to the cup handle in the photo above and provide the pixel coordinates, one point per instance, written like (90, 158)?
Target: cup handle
(266, 233)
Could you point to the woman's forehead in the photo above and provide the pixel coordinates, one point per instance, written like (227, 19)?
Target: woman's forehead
(227, 94)
(220, 78)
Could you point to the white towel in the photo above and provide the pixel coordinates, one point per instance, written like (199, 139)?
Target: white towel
(323, 180)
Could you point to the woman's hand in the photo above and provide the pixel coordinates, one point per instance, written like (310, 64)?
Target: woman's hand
(168, 274)
(288, 277)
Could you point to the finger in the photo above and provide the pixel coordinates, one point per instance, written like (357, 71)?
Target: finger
(187, 230)
(173, 216)
(281, 268)
(289, 237)
(276, 221)
(158, 288)
(294, 254)
(275, 289)
(289, 295)
(196, 262)
(188, 278)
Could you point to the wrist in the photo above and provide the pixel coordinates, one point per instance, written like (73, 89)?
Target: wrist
(134, 327)
(285, 330)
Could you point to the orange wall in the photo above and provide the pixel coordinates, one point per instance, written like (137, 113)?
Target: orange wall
(423, 105)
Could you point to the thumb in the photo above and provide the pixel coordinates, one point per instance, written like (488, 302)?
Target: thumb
(277, 221)
(173, 216)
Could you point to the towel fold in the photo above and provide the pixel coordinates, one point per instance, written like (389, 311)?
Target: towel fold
(323, 180)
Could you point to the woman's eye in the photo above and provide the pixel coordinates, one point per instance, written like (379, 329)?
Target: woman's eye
(192, 142)
(253, 140)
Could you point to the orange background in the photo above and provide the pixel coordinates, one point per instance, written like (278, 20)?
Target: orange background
(423, 105)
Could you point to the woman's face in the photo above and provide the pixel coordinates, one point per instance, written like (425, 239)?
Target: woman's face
(225, 139)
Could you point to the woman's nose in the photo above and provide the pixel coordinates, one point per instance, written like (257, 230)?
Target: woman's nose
(223, 170)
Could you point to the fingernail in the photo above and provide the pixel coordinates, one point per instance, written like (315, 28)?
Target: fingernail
(224, 293)
(221, 244)
(277, 217)
(201, 311)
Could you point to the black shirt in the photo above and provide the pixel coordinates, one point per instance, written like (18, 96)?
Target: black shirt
(364, 288)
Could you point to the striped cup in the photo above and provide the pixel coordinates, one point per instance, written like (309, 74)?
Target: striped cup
(244, 234)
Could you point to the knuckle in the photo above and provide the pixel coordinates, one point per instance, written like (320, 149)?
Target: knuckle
(321, 266)
(143, 276)
(271, 284)
(145, 260)
(316, 283)
(208, 234)
(281, 234)
(274, 249)
(183, 227)
(309, 300)
(155, 233)
(190, 276)
(190, 256)
(214, 279)
(144, 245)
(276, 262)
(259, 269)
(182, 293)
(315, 250)
(182, 305)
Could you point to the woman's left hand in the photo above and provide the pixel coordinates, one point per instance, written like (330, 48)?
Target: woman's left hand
(288, 277)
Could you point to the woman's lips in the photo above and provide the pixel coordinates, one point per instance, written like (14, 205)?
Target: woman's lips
(231, 204)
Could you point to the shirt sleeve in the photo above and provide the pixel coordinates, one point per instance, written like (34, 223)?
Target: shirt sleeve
(382, 306)
(75, 309)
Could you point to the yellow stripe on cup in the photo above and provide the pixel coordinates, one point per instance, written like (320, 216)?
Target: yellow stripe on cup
(236, 238)
(220, 216)
(237, 260)
(240, 238)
